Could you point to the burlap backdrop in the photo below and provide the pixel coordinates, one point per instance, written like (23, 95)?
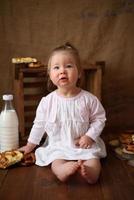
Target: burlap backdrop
(100, 29)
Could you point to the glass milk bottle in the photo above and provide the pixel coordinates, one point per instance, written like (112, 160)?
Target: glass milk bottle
(9, 131)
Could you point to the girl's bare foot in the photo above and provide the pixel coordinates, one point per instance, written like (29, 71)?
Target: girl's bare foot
(87, 172)
(64, 170)
(84, 171)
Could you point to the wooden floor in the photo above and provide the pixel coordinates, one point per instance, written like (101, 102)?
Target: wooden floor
(31, 183)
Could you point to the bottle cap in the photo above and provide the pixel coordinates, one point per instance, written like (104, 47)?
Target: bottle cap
(7, 97)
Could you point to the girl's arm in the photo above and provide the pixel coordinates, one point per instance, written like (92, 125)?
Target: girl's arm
(29, 147)
(97, 120)
(38, 129)
(84, 142)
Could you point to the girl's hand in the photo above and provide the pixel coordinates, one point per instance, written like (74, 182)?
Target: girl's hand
(29, 147)
(84, 142)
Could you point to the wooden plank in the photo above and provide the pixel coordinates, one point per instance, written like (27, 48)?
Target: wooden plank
(28, 108)
(33, 84)
(32, 97)
(32, 183)
(115, 183)
(30, 118)
(79, 189)
(32, 70)
(3, 174)
(19, 102)
(93, 81)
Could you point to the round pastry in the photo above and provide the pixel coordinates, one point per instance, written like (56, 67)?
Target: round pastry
(114, 143)
(129, 149)
(28, 159)
(9, 158)
(126, 138)
(35, 64)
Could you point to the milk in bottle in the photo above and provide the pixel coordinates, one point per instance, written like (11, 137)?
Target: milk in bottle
(9, 132)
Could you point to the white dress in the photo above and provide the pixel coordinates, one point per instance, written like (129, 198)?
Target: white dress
(64, 120)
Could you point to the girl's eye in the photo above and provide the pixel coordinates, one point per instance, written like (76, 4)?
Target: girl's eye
(69, 66)
(56, 67)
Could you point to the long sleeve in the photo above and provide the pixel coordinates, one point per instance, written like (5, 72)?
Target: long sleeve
(38, 128)
(97, 120)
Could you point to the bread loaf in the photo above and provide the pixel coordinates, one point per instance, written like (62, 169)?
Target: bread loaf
(9, 158)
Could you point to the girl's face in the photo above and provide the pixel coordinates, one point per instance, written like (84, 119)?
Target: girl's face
(63, 70)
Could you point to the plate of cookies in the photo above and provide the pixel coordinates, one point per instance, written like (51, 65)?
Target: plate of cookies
(123, 146)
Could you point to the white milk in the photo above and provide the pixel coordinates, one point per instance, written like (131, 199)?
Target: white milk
(9, 137)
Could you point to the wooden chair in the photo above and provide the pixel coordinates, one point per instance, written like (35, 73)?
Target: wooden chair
(30, 85)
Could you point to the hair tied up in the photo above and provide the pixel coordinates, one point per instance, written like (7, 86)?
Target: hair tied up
(68, 45)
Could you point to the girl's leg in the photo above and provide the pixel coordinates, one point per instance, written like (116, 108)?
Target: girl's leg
(64, 169)
(90, 170)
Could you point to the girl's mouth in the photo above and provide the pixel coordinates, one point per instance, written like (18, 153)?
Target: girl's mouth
(63, 78)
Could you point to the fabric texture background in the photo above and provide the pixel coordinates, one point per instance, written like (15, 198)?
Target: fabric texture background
(101, 30)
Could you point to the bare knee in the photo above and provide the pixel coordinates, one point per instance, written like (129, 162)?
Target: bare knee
(55, 165)
(93, 170)
(93, 180)
(55, 168)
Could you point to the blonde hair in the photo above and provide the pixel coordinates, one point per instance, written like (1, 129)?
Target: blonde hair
(69, 48)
